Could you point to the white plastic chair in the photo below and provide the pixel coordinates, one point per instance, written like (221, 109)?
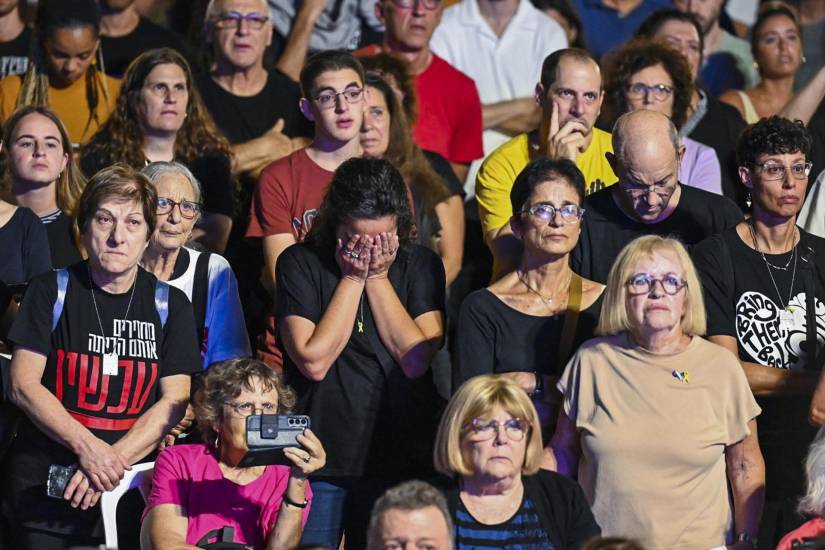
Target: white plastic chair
(132, 479)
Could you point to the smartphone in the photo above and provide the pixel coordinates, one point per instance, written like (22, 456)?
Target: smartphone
(267, 435)
(59, 477)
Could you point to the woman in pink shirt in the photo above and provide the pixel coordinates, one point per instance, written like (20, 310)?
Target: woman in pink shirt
(201, 493)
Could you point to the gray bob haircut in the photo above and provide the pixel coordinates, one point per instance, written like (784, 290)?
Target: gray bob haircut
(156, 170)
(813, 502)
(408, 496)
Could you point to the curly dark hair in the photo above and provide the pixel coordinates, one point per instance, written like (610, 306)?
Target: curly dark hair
(772, 136)
(362, 189)
(542, 170)
(637, 55)
(224, 381)
(120, 139)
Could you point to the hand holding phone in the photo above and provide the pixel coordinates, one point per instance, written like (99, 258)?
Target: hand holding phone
(267, 435)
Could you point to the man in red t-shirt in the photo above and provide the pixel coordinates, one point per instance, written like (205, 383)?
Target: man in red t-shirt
(449, 109)
(290, 190)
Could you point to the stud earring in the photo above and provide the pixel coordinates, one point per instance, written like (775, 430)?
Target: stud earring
(748, 200)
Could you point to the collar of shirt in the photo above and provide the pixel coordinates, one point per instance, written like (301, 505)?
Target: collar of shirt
(524, 18)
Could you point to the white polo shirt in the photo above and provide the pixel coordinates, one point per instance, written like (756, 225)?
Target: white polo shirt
(504, 68)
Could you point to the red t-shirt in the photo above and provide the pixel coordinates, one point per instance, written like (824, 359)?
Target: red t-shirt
(287, 197)
(449, 111)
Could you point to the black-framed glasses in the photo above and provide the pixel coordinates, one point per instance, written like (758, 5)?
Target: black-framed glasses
(638, 90)
(643, 283)
(248, 408)
(328, 100)
(484, 430)
(570, 213)
(232, 20)
(772, 170)
(188, 209)
(409, 4)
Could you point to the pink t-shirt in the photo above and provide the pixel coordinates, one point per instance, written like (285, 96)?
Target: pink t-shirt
(810, 529)
(189, 476)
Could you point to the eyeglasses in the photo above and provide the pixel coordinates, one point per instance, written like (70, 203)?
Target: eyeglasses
(409, 4)
(188, 209)
(772, 170)
(248, 408)
(637, 90)
(328, 100)
(664, 190)
(643, 283)
(570, 213)
(232, 20)
(482, 430)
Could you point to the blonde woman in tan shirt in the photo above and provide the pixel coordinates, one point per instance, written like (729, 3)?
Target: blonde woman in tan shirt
(657, 421)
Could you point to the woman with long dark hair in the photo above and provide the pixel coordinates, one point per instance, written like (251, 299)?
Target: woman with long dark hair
(64, 70)
(360, 315)
(159, 117)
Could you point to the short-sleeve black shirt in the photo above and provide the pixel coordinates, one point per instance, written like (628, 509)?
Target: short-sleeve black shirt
(741, 301)
(370, 419)
(606, 229)
(25, 248)
(119, 51)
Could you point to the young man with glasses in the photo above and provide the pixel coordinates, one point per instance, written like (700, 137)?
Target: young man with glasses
(125, 34)
(449, 109)
(290, 190)
(648, 198)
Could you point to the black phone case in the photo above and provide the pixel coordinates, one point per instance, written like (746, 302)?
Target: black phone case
(59, 477)
(267, 435)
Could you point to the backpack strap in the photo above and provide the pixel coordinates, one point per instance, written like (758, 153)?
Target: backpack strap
(162, 301)
(808, 258)
(200, 290)
(62, 286)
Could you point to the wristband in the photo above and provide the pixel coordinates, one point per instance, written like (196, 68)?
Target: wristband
(538, 390)
(291, 502)
(747, 538)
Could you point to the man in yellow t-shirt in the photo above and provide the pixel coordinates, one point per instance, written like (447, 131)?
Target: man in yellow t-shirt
(570, 95)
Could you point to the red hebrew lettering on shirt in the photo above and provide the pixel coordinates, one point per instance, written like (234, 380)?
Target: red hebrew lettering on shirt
(85, 391)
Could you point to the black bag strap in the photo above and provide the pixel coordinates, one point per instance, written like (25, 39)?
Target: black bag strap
(222, 534)
(200, 290)
(571, 319)
(806, 254)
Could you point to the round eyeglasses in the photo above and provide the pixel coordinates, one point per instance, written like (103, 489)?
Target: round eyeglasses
(328, 100)
(570, 213)
(637, 90)
(643, 283)
(484, 430)
(188, 209)
(772, 170)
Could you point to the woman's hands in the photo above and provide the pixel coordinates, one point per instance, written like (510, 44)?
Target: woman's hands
(382, 254)
(353, 257)
(309, 457)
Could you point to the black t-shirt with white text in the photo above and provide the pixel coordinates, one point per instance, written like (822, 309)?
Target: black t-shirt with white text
(606, 229)
(767, 317)
(371, 419)
(14, 54)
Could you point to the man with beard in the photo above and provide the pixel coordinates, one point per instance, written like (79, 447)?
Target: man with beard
(728, 60)
(570, 96)
(14, 40)
(648, 198)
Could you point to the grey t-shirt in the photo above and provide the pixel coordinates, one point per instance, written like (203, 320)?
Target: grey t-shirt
(338, 26)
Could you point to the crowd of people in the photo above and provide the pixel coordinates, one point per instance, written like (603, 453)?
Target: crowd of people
(533, 274)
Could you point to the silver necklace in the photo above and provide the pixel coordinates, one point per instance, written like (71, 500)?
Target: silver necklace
(548, 302)
(110, 359)
(786, 313)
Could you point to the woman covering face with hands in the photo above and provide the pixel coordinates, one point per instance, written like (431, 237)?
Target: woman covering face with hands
(360, 311)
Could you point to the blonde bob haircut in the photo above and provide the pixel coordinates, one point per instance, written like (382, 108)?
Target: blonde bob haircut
(478, 397)
(614, 317)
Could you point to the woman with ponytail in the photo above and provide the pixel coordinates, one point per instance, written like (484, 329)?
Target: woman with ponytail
(64, 71)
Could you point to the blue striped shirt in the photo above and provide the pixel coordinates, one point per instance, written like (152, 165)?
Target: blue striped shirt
(523, 531)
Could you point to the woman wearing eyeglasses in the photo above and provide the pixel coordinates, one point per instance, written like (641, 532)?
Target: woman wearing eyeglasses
(159, 117)
(649, 75)
(657, 421)
(489, 442)
(764, 284)
(206, 278)
(202, 494)
(530, 322)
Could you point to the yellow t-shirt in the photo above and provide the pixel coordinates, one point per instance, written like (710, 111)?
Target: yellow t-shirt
(498, 172)
(69, 103)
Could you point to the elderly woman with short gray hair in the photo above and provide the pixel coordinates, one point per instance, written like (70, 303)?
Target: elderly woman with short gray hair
(206, 278)
(812, 503)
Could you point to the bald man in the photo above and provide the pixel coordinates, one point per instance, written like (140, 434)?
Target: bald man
(648, 198)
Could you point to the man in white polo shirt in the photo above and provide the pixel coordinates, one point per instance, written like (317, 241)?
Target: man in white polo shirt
(500, 44)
